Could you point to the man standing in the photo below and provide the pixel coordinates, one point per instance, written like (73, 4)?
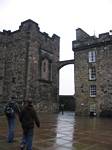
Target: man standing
(28, 117)
(10, 110)
(62, 108)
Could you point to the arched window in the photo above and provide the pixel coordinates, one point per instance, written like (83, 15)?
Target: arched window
(45, 69)
(44, 66)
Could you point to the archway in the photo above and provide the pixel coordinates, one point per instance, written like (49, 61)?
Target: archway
(66, 80)
(66, 84)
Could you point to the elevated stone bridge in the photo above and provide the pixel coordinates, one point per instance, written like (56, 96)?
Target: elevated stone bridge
(65, 62)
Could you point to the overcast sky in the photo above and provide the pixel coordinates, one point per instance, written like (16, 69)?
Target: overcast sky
(61, 17)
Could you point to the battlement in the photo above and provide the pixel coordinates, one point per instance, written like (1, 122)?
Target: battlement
(29, 26)
(81, 34)
(85, 41)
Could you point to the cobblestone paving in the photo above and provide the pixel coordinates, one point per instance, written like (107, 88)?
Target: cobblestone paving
(63, 132)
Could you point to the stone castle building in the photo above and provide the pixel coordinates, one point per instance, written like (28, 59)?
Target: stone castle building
(93, 73)
(28, 67)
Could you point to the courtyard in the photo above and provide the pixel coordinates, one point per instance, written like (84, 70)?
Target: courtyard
(63, 132)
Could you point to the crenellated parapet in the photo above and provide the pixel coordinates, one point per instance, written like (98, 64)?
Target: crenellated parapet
(85, 41)
(29, 26)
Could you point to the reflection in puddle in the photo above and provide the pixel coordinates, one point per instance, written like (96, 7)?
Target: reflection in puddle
(65, 129)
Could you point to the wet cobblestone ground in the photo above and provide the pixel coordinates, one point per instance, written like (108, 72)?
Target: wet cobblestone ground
(64, 132)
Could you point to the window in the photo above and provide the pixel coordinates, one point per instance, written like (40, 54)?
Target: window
(44, 66)
(92, 56)
(93, 107)
(93, 91)
(46, 69)
(92, 73)
(50, 70)
(13, 80)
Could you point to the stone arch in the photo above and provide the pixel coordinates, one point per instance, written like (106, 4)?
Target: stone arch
(65, 62)
(67, 99)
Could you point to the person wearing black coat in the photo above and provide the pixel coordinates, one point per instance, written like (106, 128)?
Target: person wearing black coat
(28, 117)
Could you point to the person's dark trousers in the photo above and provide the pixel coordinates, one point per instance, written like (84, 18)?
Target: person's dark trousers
(27, 139)
(62, 111)
(11, 128)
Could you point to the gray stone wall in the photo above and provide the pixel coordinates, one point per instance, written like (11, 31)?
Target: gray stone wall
(103, 48)
(21, 55)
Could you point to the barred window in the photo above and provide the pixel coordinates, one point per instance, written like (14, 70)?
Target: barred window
(92, 90)
(92, 73)
(92, 56)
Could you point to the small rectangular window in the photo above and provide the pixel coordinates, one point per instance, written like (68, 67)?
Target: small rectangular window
(92, 90)
(13, 80)
(92, 56)
(92, 73)
(44, 67)
(50, 71)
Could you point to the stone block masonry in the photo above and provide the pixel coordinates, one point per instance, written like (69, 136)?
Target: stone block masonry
(28, 67)
(93, 73)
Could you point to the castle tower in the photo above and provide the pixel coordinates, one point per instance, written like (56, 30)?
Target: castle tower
(93, 73)
(28, 60)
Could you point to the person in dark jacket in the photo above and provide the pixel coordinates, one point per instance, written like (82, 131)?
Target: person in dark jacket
(62, 108)
(28, 117)
(11, 109)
